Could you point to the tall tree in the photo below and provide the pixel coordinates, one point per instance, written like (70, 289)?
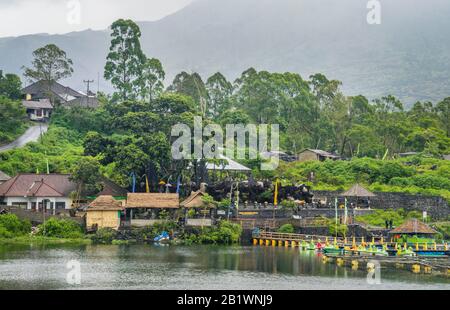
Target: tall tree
(10, 86)
(219, 93)
(50, 64)
(443, 109)
(193, 86)
(152, 79)
(125, 59)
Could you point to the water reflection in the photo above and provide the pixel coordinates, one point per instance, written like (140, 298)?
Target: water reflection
(199, 267)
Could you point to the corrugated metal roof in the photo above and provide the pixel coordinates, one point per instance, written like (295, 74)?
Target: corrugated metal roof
(230, 165)
(41, 104)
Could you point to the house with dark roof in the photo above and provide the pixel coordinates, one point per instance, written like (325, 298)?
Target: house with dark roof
(36, 192)
(316, 155)
(59, 94)
(39, 110)
(52, 192)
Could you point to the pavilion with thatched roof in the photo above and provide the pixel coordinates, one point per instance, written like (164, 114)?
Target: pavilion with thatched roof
(198, 212)
(357, 191)
(413, 231)
(413, 227)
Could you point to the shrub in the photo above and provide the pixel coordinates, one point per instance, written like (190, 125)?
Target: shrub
(60, 229)
(11, 226)
(286, 228)
(104, 236)
(339, 230)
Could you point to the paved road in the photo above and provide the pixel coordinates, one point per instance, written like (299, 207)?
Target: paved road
(31, 135)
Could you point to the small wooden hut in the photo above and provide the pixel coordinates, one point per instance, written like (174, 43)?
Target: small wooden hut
(104, 212)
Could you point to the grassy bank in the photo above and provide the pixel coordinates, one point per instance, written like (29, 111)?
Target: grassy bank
(39, 240)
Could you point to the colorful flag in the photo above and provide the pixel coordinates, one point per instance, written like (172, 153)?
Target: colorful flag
(179, 184)
(275, 198)
(133, 176)
(147, 187)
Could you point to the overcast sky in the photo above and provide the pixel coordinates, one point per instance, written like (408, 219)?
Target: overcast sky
(20, 17)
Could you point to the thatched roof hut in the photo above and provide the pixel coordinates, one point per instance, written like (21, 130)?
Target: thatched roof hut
(195, 201)
(105, 203)
(413, 227)
(152, 201)
(358, 191)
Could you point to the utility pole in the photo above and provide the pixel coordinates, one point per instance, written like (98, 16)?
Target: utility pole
(88, 82)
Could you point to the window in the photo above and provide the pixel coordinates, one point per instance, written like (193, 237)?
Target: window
(39, 113)
(60, 205)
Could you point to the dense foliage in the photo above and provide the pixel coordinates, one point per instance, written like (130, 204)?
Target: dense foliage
(60, 229)
(11, 226)
(225, 233)
(12, 119)
(130, 134)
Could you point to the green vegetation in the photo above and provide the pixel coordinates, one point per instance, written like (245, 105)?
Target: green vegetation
(414, 175)
(287, 229)
(54, 228)
(13, 120)
(225, 233)
(61, 146)
(104, 236)
(131, 131)
(379, 217)
(11, 227)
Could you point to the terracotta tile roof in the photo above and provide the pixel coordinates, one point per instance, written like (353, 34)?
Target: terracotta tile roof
(41, 189)
(22, 185)
(413, 226)
(105, 203)
(153, 201)
(358, 191)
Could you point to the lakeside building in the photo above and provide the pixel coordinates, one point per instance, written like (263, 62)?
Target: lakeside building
(104, 212)
(146, 209)
(202, 212)
(47, 192)
(413, 231)
(316, 155)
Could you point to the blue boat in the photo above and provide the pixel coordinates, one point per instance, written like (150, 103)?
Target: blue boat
(164, 237)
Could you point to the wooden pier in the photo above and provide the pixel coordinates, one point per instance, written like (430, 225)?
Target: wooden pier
(418, 264)
(294, 240)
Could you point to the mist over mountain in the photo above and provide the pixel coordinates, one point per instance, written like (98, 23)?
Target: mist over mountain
(408, 55)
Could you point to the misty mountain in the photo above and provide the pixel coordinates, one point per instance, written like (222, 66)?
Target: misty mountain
(407, 55)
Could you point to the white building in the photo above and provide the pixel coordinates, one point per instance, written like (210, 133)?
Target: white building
(38, 110)
(37, 191)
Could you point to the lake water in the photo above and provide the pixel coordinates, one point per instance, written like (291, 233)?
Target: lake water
(197, 267)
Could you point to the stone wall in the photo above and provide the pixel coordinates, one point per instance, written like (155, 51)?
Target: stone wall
(436, 207)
